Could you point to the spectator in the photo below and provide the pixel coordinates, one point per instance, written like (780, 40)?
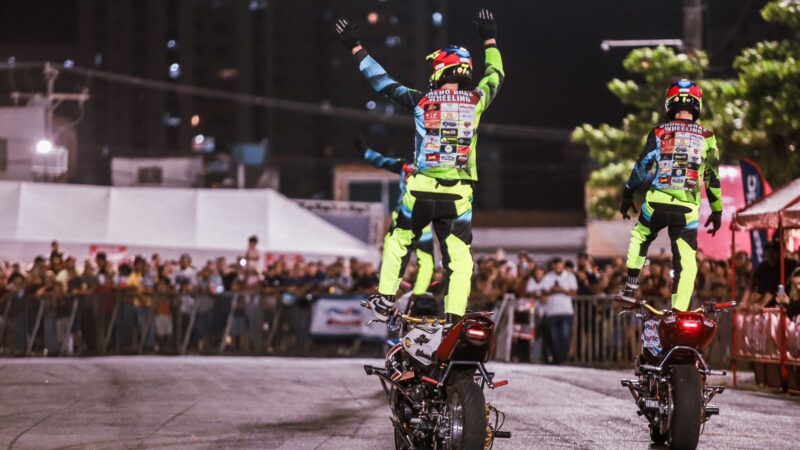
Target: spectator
(790, 299)
(559, 286)
(252, 255)
(142, 283)
(655, 285)
(588, 278)
(765, 279)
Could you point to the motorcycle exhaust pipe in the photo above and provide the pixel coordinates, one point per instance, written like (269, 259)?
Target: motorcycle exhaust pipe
(712, 410)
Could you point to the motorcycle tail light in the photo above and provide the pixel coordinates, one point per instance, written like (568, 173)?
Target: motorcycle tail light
(690, 325)
(476, 332)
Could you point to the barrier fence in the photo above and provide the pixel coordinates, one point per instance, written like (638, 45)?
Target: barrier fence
(119, 322)
(770, 342)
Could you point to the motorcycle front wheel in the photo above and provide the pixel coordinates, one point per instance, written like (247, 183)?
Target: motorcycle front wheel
(466, 407)
(687, 413)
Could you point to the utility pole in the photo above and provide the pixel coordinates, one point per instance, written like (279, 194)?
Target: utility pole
(50, 161)
(54, 99)
(693, 25)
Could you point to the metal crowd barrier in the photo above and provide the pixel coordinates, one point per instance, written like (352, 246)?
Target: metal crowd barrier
(770, 342)
(601, 337)
(115, 323)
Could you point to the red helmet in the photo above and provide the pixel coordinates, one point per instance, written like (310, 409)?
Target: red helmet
(450, 64)
(683, 95)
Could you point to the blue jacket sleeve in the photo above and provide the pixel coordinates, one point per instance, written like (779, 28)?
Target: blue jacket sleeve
(383, 162)
(382, 83)
(641, 175)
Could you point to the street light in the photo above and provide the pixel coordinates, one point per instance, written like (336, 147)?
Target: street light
(608, 44)
(44, 147)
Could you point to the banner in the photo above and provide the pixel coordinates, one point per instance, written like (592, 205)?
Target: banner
(115, 254)
(344, 318)
(755, 187)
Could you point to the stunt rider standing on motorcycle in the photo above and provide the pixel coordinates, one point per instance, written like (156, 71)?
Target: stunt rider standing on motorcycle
(424, 245)
(682, 151)
(440, 190)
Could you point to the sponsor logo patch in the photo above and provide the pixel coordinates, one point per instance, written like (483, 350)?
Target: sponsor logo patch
(432, 157)
(464, 150)
(449, 107)
(449, 132)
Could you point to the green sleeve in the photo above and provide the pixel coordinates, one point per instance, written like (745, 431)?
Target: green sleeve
(711, 175)
(493, 77)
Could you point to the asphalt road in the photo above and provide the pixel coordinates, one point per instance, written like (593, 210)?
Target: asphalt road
(271, 403)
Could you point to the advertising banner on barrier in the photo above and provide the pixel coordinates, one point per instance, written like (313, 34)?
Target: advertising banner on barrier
(344, 318)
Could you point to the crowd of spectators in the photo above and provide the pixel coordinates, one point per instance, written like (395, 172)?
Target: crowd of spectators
(159, 293)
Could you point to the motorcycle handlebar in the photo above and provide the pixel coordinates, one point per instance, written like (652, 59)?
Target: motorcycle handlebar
(408, 318)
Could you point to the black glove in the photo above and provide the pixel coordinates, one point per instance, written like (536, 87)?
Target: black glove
(625, 205)
(715, 220)
(484, 22)
(348, 33)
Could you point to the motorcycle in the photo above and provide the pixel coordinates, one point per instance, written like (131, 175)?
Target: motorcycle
(671, 390)
(434, 384)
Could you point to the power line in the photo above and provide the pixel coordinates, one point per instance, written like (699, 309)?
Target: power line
(322, 109)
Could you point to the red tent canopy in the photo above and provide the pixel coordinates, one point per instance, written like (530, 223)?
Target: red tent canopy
(781, 209)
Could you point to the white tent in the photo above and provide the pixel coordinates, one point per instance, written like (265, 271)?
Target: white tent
(202, 222)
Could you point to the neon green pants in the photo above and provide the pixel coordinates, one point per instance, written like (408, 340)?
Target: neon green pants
(681, 220)
(424, 252)
(447, 205)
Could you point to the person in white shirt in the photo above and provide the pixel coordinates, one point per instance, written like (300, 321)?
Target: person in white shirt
(559, 287)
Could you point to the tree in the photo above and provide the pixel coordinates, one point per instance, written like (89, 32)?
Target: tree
(769, 85)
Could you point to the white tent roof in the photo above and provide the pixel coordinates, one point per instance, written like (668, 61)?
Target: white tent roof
(766, 212)
(203, 222)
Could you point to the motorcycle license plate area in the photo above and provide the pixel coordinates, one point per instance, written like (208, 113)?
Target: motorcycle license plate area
(650, 338)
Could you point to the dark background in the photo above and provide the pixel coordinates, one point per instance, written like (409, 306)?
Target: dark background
(556, 78)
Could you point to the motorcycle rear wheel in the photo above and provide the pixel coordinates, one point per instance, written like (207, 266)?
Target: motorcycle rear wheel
(467, 408)
(687, 413)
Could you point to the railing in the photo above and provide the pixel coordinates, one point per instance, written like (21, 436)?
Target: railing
(601, 337)
(120, 323)
(270, 323)
(770, 342)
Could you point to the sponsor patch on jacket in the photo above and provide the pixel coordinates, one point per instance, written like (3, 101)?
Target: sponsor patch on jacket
(432, 157)
(447, 158)
(449, 115)
(449, 132)
(464, 150)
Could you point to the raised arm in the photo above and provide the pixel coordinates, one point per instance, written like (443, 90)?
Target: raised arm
(376, 75)
(493, 74)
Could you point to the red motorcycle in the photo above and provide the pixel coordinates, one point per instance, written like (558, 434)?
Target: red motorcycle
(435, 385)
(671, 390)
